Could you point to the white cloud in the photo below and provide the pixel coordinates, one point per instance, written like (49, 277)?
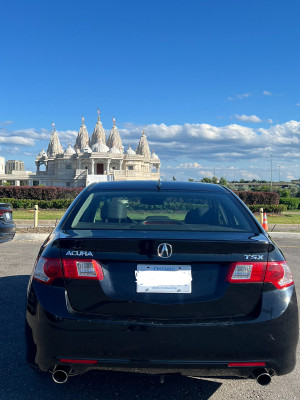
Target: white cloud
(248, 118)
(6, 123)
(66, 136)
(298, 104)
(194, 165)
(21, 141)
(270, 121)
(193, 145)
(239, 96)
(267, 93)
(195, 149)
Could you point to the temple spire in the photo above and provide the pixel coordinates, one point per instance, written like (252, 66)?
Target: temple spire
(82, 139)
(114, 139)
(98, 135)
(54, 147)
(143, 146)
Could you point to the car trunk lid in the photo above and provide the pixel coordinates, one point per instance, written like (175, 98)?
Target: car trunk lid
(205, 256)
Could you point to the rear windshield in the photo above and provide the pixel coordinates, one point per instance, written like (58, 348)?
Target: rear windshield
(161, 210)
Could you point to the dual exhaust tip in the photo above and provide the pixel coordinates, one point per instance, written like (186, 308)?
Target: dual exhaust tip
(263, 377)
(61, 375)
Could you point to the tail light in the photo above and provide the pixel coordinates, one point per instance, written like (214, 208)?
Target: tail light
(5, 214)
(276, 272)
(279, 274)
(49, 269)
(82, 269)
(3, 211)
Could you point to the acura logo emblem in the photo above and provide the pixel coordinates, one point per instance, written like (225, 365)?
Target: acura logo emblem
(164, 250)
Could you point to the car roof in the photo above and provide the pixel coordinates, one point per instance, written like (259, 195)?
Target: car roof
(155, 185)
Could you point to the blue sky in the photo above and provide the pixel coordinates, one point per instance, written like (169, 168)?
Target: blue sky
(214, 83)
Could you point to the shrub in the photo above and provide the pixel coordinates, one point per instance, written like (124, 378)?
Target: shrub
(252, 198)
(269, 208)
(292, 203)
(44, 204)
(38, 192)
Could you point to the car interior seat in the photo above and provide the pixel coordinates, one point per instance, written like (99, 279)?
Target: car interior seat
(114, 211)
(199, 215)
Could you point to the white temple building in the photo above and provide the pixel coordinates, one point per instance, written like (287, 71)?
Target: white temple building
(94, 159)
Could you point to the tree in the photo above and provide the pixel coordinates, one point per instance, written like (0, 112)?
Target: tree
(214, 179)
(206, 180)
(223, 181)
(174, 179)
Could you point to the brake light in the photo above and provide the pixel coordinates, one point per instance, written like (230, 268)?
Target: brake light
(6, 215)
(279, 274)
(276, 272)
(82, 269)
(49, 269)
(2, 211)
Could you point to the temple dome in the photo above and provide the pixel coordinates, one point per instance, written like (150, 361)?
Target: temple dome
(87, 149)
(154, 156)
(100, 148)
(114, 150)
(69, 150)
(42, 154)
(130, 151)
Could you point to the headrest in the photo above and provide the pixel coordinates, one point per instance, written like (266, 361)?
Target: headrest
(113, 210)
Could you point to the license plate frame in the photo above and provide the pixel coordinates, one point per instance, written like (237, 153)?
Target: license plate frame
(163, 278)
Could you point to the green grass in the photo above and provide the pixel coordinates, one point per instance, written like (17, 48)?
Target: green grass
(287, 217)
(43, 214)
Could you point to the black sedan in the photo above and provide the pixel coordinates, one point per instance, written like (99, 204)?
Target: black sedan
(160, 278)
(7, 225)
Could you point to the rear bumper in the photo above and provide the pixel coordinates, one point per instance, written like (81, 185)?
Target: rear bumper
(7, 233)
(55, 336)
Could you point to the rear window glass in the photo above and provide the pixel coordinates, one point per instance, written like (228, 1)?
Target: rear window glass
(169, 210)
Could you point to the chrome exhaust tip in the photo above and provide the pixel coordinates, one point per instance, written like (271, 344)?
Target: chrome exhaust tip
(60, 374)
(262, 377)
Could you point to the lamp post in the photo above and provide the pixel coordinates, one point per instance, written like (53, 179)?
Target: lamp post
(271, 170)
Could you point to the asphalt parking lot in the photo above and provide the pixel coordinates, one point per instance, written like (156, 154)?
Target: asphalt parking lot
(18, 381)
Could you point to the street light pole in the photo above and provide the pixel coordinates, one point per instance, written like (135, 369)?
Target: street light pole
(271, 170)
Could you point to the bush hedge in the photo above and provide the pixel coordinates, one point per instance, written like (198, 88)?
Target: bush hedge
(252, 198)
(268, 208)
(38, 192)
(44, 204)
(292, 203)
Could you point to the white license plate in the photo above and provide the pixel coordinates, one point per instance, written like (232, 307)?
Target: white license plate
(163, 278)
